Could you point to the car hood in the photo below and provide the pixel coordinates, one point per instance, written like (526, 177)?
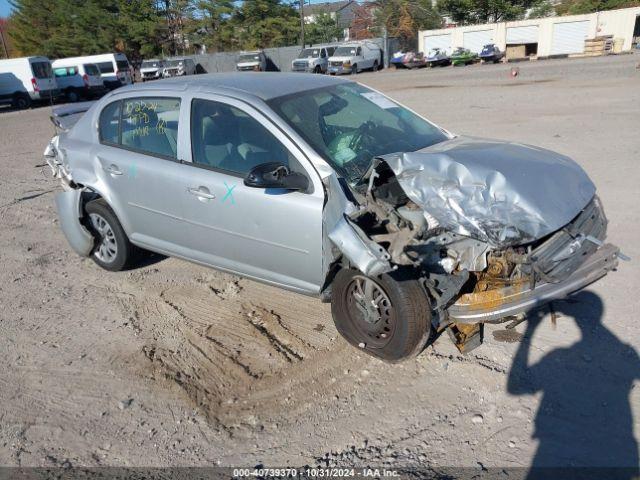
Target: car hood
(500, 192)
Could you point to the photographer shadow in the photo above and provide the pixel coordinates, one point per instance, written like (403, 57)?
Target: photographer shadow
(584, 419)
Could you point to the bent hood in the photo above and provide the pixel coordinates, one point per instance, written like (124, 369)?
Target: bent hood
(499, 192)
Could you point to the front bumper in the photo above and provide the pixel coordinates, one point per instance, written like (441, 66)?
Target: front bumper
(339, 70)
(520, 299)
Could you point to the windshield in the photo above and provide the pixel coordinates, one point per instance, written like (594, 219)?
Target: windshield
(174, 63)
(150, 64)
(345, 51)
(310, 53)
(251, 57)
(349, 125)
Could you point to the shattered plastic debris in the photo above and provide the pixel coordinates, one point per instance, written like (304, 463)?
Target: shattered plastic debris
(498, 192)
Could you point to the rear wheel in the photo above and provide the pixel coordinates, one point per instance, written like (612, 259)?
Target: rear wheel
(112, 251)
(21, 101)
(375, 66)
(72, 95)
(388, 316)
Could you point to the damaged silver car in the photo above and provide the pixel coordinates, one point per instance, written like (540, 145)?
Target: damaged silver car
(331, 189)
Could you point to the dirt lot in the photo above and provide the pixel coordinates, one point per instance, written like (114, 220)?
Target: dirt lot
(175, 364)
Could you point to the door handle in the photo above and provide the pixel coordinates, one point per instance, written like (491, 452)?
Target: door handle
(113, 170)
(201, 192)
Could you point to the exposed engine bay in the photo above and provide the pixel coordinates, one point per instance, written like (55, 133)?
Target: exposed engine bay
(469, 277)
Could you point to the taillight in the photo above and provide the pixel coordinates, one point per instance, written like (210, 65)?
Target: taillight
(85, 78)
(36, 88)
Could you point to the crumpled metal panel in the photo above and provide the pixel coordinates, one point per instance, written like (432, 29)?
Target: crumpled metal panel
(68, 206)
(499, 192)
(365, 254)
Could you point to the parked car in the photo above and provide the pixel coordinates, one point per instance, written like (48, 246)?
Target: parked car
(491, 53)
(354, 57)
(114, 68)
(438, 57)
(463, 56)
(252, 62)
(78, 80)
(330, 189)
(27, 80)
(179, 67)
(151, 69)
(313, 60)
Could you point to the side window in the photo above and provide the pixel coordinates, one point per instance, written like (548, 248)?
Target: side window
(150, 125)
(105, 67)
(226, 138)
(323, 53)
(359, 53)
(109, 124)
(60, 72)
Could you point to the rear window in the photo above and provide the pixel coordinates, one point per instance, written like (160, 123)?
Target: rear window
(122, 65)
(105, 67)
(91, 69)
(41, 70)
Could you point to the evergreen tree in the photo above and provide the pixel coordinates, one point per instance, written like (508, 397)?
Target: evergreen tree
(266, 23)
(324, 29)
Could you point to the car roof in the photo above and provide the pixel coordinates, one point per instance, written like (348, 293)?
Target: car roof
(264, 85)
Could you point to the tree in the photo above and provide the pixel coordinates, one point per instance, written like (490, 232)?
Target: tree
(576, 7)
(7, 49)
(323, 29)
(266, 23)
(212, 26)
(468, 12)
(404, 18)
(363, 25)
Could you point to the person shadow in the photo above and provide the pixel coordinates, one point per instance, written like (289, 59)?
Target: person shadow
(584, 424)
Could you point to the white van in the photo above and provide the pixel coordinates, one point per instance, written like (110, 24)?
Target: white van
(353, 57)
(114, 68)
(77, 79)
(177, 67)
(26, 80)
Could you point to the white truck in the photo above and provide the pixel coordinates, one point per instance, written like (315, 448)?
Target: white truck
(353, 57)
(151, 69)
(26, 80)
(252, 62)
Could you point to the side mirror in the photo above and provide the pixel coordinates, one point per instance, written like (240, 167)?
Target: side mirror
(275, 175)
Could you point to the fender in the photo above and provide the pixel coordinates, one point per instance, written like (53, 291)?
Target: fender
(69, 206)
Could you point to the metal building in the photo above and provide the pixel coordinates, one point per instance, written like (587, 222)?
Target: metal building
(540, 37)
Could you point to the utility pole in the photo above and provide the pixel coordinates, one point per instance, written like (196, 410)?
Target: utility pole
(302, 23)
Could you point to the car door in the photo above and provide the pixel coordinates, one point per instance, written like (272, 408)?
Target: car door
(266, 234)
(138, 166)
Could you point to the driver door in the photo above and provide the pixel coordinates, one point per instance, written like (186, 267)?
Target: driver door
(271, 235)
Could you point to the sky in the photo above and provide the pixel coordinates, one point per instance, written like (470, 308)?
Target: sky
(5, 8)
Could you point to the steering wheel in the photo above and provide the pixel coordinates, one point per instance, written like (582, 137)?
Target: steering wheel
(362, 136)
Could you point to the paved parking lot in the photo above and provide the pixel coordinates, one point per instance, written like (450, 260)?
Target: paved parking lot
(165, 365)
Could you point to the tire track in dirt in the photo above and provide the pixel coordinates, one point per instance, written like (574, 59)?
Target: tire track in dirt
(235, 348)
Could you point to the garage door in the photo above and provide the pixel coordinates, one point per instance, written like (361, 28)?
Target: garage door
(442, 41)
(474, 41)
(528, 34)
(569, 37)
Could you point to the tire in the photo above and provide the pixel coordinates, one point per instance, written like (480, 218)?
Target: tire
(354, 69)
(317, 70)
(401, 323)
(21, 101)
(72, 95)
(375, 66)
(115, 252)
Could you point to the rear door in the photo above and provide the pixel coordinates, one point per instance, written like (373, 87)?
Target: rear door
(272, 235)
(138, 164)
(43, 74)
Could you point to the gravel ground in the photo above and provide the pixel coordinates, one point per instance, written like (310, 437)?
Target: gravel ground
(175, 364)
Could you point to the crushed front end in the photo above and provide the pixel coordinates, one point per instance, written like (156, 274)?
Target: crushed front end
(487, 242)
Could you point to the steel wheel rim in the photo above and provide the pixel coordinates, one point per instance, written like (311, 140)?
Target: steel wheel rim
(107, 250)
(370, 311)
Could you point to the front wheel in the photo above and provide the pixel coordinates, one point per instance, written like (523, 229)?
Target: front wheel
(388, 316)
(354, 69)
(21, 101)
(375, 66)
